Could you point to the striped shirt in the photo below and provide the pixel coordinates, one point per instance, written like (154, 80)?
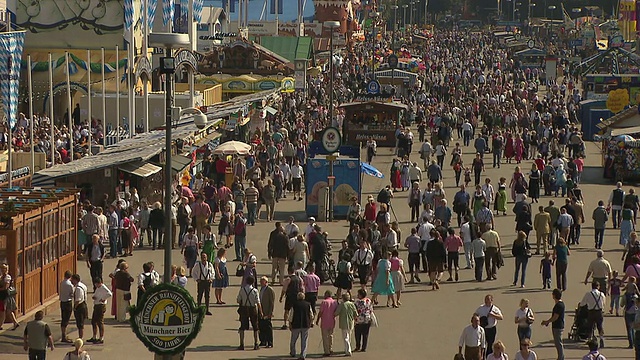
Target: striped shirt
(251, 195)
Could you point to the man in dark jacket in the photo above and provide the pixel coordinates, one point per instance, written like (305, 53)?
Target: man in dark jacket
(95, 255)
(278, 251)
(300, 321)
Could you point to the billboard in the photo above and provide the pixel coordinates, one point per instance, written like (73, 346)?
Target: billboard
(74, 22)
(347, 184)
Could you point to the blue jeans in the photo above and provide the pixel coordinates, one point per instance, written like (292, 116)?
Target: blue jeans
(599, 237)
(497, 157)
(557, 342)
(183, 231)
(628, 323)
(303, 334)
(616, 215)
(113, 243)
(240, 245)
(251, 209)
(564, 189)
(156, 237)
(524, 332)
(521, 261)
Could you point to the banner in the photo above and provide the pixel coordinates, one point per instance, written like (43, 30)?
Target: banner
(128, 14)
(151, 12)
(168, 7)
(11, 44)
(197, 10)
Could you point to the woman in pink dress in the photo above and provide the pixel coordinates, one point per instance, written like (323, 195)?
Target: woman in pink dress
(508, 149)
(518, 146)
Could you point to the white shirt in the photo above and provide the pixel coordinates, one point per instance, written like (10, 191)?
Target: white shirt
(465, 230)
(466, 126)
(101, 295)
(484, 311)
(392, 239)
(203, 271)
(296, 171)
(478, 246)
(473, 337)
(79, 294)
(66, 290)
(594, 299)
(309, 230)
(424, 231)
(487, 190)
(363, 257)
(524, 314)
(291, 228)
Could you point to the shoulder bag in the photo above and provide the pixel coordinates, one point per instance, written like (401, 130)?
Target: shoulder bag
(240, 270)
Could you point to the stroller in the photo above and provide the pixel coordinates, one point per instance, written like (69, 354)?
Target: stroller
(580, 330)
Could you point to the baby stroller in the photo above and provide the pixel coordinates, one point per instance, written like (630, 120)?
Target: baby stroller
(580, 330)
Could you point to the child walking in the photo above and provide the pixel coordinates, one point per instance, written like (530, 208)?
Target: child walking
(545, 269)
(614, 284)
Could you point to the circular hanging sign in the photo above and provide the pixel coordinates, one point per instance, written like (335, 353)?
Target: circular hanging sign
(373, 87)
(331, 140)
(167, 320)
(416, 32)
(531, 43)
(393, 61)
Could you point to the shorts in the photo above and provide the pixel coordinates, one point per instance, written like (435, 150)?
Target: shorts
(248, 314)
(288, 301)
(435, 266)
(452, 258)
(98, 314)
(81, 313)
(363, 273)
(297, 184)
(66, 308)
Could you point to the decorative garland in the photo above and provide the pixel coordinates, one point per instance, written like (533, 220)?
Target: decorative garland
(109, 67)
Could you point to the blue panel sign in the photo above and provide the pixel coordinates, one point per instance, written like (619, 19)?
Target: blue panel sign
(347, 184)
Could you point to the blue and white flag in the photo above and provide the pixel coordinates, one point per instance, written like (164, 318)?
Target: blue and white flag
(151, 12)
(11, 45)
(168, 7)
(197, 10)
(128, 14)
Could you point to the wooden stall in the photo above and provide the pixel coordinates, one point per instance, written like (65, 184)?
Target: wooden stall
(38, 236)
(379, 120)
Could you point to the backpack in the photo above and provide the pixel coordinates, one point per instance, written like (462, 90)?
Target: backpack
(240, 228)
(148, 281)
(383, 196)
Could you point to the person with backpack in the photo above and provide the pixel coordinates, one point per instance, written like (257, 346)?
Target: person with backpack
(145, 281)
(489, 315)
(291, 286)
(240, 232)
(629, 303)
(385, 195)
(593, 354)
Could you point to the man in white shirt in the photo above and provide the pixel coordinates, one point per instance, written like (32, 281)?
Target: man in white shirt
(80, 310)
(203, 273)
(392, 238)
(424, 232)
(595, 301)
(100, 297)
(467, 132)
(425, 153)
(286, 175)
(291, 227)
(465, 234)
(473, 340)
(297, 172)
(310, 228)
(66, 304)
(565, 222)
(362, 259)
(489, 314)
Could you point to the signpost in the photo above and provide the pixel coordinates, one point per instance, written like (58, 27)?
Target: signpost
(331, 142)
(167, 319)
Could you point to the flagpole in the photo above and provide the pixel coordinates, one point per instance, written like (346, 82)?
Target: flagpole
(89, 108)
(145, 53)
(131, 82)
(117, 94)
(52, 141)
(104, 105)
(30, 80)
(69, 104)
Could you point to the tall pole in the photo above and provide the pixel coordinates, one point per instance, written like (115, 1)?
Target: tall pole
(168, 183)
(69, 104)
(131, 57)
(30, 80)
(52, 141)
(89, 108)
(145, 53)
(332, 25)
(117, 94)
(393, 42)
(104, 100)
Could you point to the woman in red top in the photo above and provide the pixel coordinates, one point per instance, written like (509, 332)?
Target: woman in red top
(370, 209)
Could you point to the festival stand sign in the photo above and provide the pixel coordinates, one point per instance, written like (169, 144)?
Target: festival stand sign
(167, 319)
(617, 100)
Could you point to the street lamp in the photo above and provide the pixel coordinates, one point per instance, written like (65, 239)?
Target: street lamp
(516, 6)
(531, 6)
(551, 8)
(332, 25)
(168, 68)
(411, 14)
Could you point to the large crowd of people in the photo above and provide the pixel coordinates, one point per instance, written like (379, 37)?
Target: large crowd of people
(486, 105)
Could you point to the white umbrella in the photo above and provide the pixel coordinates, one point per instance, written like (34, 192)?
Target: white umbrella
(232, 148)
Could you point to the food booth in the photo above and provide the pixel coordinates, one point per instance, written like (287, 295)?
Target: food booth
(376, 119)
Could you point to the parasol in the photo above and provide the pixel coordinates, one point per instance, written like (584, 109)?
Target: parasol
(232, 148)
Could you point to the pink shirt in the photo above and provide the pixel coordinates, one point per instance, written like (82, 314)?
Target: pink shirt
(579, 164)
(311, 283)
(327, 309)
(633, 270)
(453, 243)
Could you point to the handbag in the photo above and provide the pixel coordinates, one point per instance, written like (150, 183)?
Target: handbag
(12, 291)
(127, 296)
(240, 270)
(374, 320)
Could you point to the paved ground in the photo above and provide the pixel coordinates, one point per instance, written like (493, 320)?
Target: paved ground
(427, 325)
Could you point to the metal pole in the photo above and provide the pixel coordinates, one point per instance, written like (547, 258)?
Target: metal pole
(104, 103)
(331, 122)
(30, 80)
(89, 108)
(70, 105)
(168, 183)
(331, 189)
(131, 57)
(117, 94)
(52, 141)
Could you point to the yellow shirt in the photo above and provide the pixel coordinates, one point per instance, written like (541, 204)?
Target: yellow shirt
(491, 238)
